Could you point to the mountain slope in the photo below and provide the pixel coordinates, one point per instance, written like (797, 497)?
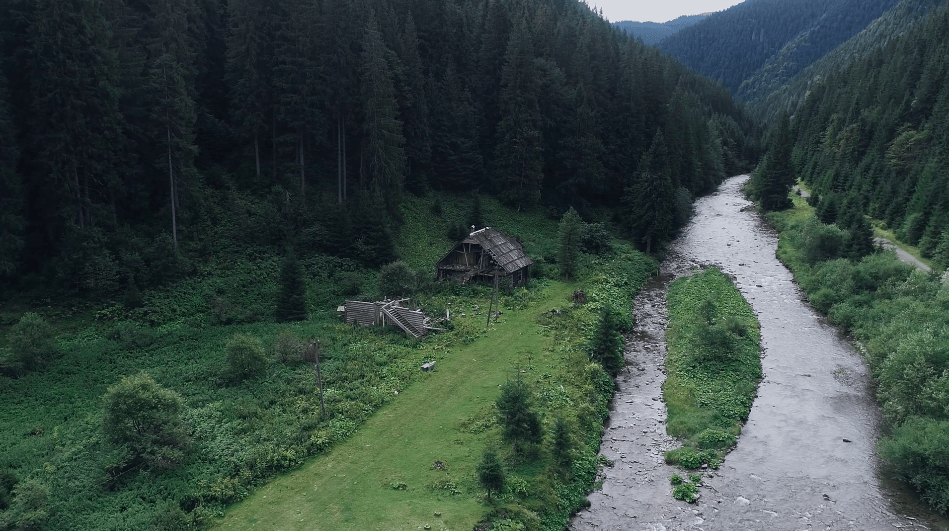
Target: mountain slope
(653, 32)
(790, 94)
(732, 46)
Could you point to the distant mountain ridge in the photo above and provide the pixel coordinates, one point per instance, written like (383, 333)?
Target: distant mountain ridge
(766, 42)
(653, 32)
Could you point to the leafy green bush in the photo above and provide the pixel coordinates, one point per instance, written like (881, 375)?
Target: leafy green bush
(919, 449)
(396, 280)
(288, 348)
(821, 242)
(676, 479)
(32, 342)
(245, 356)
(685, 492)
(715, 439)
(145, 418)
(596, 239)
(29, 511)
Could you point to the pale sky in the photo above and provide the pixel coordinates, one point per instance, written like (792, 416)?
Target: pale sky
(657, 10)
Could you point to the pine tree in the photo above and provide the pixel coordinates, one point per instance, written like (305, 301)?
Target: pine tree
(774, 182)
(519, 151)
(606, 347)
(385, 154)
(568, 243)
(171, 79)
(562, 446)
(12, 223)
(490, 471)
(650, 198)
(519, 422)
(291, 301)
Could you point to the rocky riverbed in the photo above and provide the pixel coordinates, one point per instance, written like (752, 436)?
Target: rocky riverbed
(806, 457)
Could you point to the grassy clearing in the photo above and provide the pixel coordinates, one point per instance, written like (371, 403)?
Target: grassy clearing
(713, 366)
(243, 434)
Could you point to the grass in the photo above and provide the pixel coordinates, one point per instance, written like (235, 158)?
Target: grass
(713, 366)
(245, 434)
(352, 486)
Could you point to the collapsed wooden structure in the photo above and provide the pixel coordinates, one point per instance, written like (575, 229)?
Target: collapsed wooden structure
(486, 255)
(412, 322)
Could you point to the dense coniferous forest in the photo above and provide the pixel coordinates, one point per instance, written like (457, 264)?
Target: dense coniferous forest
(653, 32)
(760, 43)
(133, 130)
(788, 94)
(875, 135)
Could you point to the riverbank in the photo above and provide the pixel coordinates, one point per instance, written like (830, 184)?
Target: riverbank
(806, 457)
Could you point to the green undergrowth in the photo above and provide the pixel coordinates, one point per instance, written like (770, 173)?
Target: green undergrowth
(58, 471)
(900, 317)
(713, 367)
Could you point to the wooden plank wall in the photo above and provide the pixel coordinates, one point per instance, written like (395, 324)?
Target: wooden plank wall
(362, 313)
(415, 318)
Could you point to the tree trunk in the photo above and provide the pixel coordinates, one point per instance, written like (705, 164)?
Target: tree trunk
(257, 153)
(86, 202)
(174, 198)
(79, 216)
(344, 159)
(339, 158)
(273, 139)
(302, 170)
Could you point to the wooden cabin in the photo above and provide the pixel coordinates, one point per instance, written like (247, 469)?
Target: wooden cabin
(484, 255)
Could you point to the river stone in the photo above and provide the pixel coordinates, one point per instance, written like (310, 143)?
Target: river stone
(742, 501)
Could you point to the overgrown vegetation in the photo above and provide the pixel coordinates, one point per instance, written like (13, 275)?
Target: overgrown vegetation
(900, 316)
(713, 367)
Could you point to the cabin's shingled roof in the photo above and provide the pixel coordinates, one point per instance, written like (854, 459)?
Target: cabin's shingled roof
(507, 252)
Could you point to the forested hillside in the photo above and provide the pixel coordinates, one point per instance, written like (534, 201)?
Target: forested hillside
(789, 95)
(653, 32)
(139, 137)
(875, 134)
(766, 42)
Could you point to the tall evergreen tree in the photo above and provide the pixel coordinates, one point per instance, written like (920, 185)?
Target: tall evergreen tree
(519, 144)
(171, 79)
(650, 197)
(385, 153)
(519, 422)
(491, 472)
(774, 180)
(291, 301)
(12, 223)
(248, 69)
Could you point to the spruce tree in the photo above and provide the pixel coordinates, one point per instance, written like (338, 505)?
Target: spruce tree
(606, 347)
(490, 471)
(385, 153)
(519, 152)
(775, 182)
(568, 243)
(291, 301)
(650, 198)
(12, 223)
(562, 446)
(519, 422)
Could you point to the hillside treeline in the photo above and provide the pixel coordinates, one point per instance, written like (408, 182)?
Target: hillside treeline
(766, 42)
(873, 137)
(776, 94)
(141, 136)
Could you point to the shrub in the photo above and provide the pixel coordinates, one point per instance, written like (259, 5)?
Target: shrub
(7, 483)
(919, 449)
(32, 341)
(821, 242)
(288, 348)
(145, 418)
(676, 479)
(396, 280)
(245, 356)
(685, 492)
(131, 336)
(596, 239)
(29, 509)
(715, 439)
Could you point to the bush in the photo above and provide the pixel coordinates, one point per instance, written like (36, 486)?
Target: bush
(288, 348)
(715, 439)
(919, 449)
(685, 492)
(145, 418)
(291, 301)
(29, 510)
(821, 242)
(32, 342)
(245, 356)
(396, 280)
(131, 336)
(596, 239)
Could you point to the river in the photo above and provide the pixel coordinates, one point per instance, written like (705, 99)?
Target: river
(806, 458)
